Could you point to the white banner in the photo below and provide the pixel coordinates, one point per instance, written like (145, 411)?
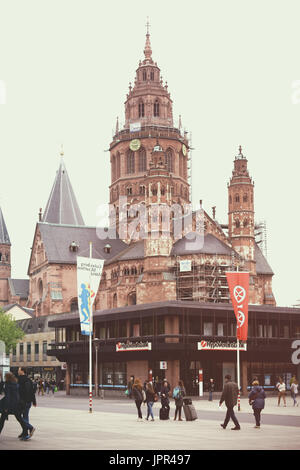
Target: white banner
(89, 272)
(135, 126)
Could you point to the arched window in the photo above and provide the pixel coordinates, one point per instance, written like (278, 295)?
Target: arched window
(237, 223)
(169, 160)
(133, 271)
(151, 75)
(246, 222)
(142, 190)
(142, 160)
(141, 110)
(74, 305)
(118, 166)
(156, 108)
(129, 191)
(130, 162)
(154, 190)
(237, 198)
(131, 299)
(144, 75)
(245, 198)
(40, 285)
(115, 301)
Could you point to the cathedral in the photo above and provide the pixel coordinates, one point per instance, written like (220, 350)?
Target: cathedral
(150, 268)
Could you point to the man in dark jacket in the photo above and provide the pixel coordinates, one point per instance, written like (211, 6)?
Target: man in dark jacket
(229, 395)
(27, 396)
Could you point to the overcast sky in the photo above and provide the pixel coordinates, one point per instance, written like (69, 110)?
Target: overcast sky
(232, 69)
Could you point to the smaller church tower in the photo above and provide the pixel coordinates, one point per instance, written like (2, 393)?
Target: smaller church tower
(5, 266)
(241, 212)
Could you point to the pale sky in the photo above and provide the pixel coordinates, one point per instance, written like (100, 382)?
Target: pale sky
(230, 66)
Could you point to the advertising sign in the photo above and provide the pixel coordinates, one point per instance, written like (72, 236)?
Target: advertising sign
(89, 272)
(220, 346)
(129, 346)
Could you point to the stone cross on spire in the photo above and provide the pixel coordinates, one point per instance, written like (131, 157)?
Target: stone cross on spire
(148, 50)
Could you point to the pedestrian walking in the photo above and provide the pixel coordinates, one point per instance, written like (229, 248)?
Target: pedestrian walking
(178, 395)
(211, 389)
(27, 397)
(41, 387)
(137, 393)
(130, 385)
(11, 404)
(230, 395)
(281, 391)
(257, 400)
(164, 397)
(150, 398)
(157, 386)
(53, 386)
(294, 392)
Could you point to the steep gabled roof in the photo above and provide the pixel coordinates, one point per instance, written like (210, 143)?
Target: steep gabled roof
(19, 287)
(4, 237)
(62, 206)
(57, 239)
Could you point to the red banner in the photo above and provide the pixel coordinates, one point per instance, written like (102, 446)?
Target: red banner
(238, 283)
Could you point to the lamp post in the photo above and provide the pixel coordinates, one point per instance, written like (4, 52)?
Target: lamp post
(96, 342)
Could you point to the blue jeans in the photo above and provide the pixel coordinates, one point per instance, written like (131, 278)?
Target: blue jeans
(25, 415)
(150, 412)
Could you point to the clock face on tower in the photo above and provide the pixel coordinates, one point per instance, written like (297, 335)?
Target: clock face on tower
(184, 149)
(135, 144)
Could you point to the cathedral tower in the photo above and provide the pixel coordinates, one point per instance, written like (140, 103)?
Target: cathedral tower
(241, 212)
(148, 119)
(5, 266)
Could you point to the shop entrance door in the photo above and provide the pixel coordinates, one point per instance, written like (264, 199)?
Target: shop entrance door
(189, 372)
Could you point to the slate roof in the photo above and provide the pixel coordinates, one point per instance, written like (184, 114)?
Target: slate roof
(19, 287)
(209, 244)
(57, 239)
(8, 307)
(134, 251)
(4, 237)
(62, 206)
(262, 265)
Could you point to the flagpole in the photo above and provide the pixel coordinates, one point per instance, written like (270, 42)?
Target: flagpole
(90, 339)
(238, 366)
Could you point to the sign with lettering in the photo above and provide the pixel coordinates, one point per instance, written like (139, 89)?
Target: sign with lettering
(185, 265)
(220, 346)
(136, 346)
(296, 354)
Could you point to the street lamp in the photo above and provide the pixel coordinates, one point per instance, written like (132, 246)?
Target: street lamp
(96, 342)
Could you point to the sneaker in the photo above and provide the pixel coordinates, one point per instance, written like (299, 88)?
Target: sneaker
(235, 428)
(25, 438)
(21, 436)
(257, 427)
(31, 432)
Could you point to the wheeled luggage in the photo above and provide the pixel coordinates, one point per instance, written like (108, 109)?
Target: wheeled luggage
(189, 410)
(164, 413)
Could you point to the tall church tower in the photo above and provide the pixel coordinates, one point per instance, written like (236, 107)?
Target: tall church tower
(148, 125)
(5, 266)
(241, 212)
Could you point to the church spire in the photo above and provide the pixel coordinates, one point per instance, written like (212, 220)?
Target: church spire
(4, 237)
(148, 50)
(62, 207)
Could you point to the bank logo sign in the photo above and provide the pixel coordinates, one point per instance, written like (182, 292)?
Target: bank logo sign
(220, 346)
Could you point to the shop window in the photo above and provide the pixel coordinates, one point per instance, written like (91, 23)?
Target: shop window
(221, 329)
(147, 327)
(111, 330)
(114, 374)
(160, 325)
(207, 329)
(123, 329)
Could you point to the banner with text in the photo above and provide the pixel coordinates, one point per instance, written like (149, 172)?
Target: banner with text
(238, 283)
(89, 272)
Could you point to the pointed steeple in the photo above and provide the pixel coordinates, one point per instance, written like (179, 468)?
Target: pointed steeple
(148, 50)
(4, 237)
(62, 207)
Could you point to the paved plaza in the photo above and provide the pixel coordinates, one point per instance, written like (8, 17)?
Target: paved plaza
(64, 423)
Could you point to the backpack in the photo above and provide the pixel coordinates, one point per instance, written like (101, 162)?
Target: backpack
(176, 393)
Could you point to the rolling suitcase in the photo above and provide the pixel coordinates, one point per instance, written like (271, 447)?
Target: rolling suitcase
(190, 412)
(164, 413)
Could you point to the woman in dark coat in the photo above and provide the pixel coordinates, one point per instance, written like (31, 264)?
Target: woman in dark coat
(178, 394)
(257, 400)
(164, 395)
(137, 393)
(11, 404)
